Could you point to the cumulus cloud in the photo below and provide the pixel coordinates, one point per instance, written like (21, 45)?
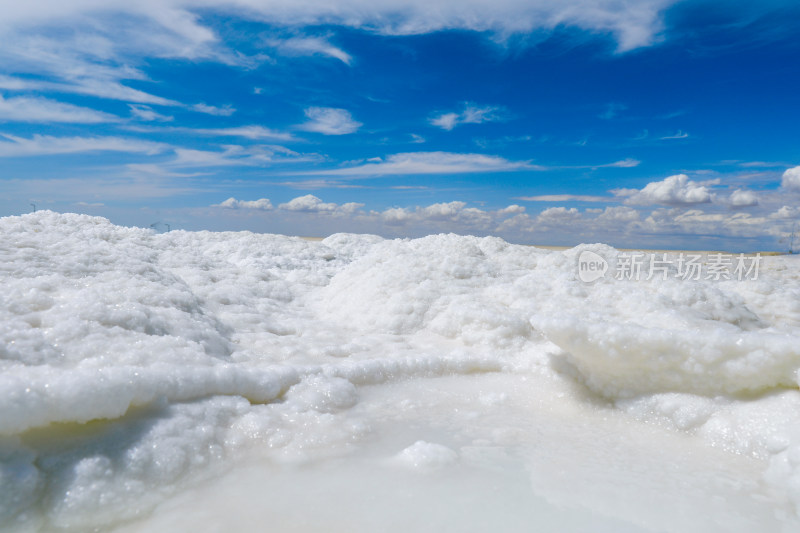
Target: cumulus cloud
(558, 215)
(743, 198)
(472, 114)
(410, 163)
(446, 216)
(618, 214)
(330, 121)
(312, 204)
(676, 190)
(786, 212)
(791, 179)
(25, 109)
(512, 209)
(262, 204)
(618, 225)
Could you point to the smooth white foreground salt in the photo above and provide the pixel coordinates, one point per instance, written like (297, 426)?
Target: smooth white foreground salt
(208, 381)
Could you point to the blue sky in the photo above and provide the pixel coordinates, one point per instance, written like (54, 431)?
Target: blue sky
(636, 123)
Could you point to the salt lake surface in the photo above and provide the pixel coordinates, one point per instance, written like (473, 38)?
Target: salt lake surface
(202, 381)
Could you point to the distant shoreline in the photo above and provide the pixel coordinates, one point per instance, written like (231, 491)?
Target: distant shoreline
(646, 250)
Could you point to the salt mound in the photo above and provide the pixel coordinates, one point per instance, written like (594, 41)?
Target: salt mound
(134, 363)
(629, 337)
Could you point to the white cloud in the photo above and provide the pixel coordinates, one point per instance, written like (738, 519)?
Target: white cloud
(679, 135)
(252, 132)
(618, 214)
(786, 212)
(512, 209)
(676, 190)
(624, 163)
(444, 215)
(233, 155)
(317, 184)
(307, 46)
(428, 163)
(311, 204)
(171, 25)
(558, 215)
(109, 42)
(564, 198)
(248, 132)
(262, 204)
(146, 113)
(224, 111)
(187, 162)
(330, 121)
(471, 114)
(791, 179)
(87, 61)
(25, 109)
(697, 222)
(446, 121)
(743, 198)
(106, 44)
(47, 145)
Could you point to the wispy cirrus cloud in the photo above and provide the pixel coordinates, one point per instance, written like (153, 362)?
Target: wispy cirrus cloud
(310, 46)
(565, 198)
(318, 184)
(623, 163)
(102, 85)
(249, 132)
(39, 145)
(43, 110)
(253, 132)
(679, 135)
(171, 28)
(234, 155)
(147, 114)
(471, 114)
(189, 162)
(427, 163)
